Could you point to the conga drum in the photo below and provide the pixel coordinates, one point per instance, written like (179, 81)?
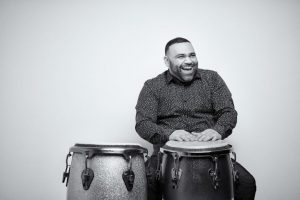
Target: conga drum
(196, 171)
(106, 172)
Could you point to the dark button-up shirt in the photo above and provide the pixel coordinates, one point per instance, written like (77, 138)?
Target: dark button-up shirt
(165, 105)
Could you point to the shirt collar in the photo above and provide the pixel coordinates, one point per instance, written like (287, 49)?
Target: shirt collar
(171, 78)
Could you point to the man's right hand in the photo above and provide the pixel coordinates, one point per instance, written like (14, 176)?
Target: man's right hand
(182, 135)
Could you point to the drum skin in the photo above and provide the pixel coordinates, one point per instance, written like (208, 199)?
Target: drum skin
(107, 183)
(195, 182)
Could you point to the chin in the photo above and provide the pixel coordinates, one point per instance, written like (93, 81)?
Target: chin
(188, 79)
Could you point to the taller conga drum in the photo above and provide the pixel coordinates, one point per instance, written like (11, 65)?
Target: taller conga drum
(196, 171)
(106, 172)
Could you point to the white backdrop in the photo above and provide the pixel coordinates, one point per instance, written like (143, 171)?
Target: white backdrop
(71, 72)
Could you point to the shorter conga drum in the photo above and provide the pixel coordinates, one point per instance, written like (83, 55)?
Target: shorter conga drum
(196, 171)
(106, 172)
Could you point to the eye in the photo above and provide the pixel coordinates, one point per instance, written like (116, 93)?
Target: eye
(193, 56)
(180, 56)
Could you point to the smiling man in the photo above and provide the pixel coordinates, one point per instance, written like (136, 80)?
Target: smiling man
(186, 103)
(182, 61)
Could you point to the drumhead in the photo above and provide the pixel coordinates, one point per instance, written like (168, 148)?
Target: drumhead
(196, 146)
(108, 148)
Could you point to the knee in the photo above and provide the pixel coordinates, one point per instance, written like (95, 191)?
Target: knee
(251, 183)
(246, 180)
(245, 187)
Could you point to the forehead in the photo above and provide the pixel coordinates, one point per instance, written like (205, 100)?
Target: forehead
(181, 48)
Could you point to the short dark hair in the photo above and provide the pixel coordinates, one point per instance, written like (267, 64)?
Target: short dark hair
(175, 41)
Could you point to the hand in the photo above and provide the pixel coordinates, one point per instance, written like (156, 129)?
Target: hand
(207, 135)
(182, 135)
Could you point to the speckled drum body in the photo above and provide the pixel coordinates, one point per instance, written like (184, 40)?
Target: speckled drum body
(108, 163)
(194, 172)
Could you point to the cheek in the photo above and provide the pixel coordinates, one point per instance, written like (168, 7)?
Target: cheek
(195, 61)
(175, 65)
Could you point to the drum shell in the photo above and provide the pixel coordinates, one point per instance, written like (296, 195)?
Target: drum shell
(107, 182)
(195, 182)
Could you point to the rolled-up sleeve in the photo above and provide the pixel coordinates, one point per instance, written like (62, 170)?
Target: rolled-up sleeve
(146, 117)
(225, 113)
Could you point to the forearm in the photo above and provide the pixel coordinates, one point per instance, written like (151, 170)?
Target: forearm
(225, 113)
(227, 119)
(152, 132)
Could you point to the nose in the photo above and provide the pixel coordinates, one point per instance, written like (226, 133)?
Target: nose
(188, 60)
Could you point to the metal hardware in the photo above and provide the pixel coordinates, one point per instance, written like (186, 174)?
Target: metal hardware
(128, 175)
(214, 173)
(196, 152)
(87, 175)
(176, 172)
(148, 171)
(158, 166)
(234, 171)
(126, 149)
(66, 173)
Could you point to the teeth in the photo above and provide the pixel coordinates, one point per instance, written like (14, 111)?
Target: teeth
(187, 68)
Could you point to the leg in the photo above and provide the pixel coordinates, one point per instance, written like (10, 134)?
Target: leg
(245, 187)
(154, 192)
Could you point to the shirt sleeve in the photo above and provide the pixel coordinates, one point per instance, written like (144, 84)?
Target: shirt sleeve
(225, 113)
(146, 118)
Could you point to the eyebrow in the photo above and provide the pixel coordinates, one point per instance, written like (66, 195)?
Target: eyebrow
(182, 54)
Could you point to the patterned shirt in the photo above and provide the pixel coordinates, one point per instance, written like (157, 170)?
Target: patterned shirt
(166, 104)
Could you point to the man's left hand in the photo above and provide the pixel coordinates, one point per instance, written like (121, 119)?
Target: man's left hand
(207, 135)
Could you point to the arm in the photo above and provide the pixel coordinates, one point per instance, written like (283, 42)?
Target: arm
(146, 118)
(225, 114)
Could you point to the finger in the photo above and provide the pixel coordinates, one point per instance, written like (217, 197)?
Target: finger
(191, 137)
(196, 133)
(207, 138)
(187, 137)
(201, 138)
(183, 138)
(214, 138)
(177, 138)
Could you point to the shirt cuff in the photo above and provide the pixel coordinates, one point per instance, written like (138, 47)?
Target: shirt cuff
(168, 132)
(161, 137)
(165, 133)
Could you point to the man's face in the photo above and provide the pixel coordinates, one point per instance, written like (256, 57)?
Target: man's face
(182, 61)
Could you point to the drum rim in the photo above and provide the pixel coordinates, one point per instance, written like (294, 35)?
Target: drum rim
(195, 152)
(122, 149)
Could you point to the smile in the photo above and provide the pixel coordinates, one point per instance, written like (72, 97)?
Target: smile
(187, 68)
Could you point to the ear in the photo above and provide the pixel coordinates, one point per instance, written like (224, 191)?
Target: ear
(167, 61)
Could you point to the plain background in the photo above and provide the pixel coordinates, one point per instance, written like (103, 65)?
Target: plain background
(71, 72)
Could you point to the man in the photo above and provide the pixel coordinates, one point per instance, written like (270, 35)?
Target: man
(185, 103)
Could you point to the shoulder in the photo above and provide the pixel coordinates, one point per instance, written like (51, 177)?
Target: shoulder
(207, 74)
(211, 78)
(157, 82)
